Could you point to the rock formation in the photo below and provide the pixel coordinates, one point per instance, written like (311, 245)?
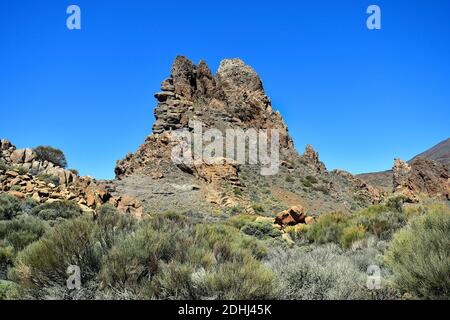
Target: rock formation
(232, 98)
(423, 177)
(157, 179)
(23, 175)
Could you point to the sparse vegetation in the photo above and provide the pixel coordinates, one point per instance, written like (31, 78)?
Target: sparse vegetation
(55, 210)
(4, 166)
(9, 207)
(172, 256)
(419, 255)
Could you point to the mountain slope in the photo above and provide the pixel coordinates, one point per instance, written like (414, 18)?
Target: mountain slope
(439, 153)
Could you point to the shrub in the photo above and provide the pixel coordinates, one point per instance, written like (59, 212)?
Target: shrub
(6, 256)
(352, 234)
(311, 179)
(307, 184)
(321, 273)
(8, 290)
(22, 231)
(297, 232)
(241, 220)
(48, 178)
(259, 209)
(419, 255)
(22, 170)
(289, 179)
(50, 154)
(74, 171)
(328, 228)
(58, 209)
(29, 204)
(4, 166)
(9, 207)
(171, 259)
(15, 188)
(395, 203)
(113, 226)
(237, 192)
(383, 224)
(260, 230)
(40, 268)
(322, 189)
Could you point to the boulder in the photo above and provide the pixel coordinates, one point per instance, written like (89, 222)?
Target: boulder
(29, 155)
(18, 156)
(291, 216)
(309, 220)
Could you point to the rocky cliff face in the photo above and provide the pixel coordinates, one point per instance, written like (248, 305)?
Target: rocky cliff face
(232, 98)
(422, 178)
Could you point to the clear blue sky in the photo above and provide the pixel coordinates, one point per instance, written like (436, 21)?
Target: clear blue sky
(360, 97)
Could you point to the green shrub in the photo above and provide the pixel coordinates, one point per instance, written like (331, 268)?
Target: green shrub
(419, 255)
(259, 209)
(289, 179)
(328, 228)
(28, 205)
(9, 207)
(58, 209)
(395, 203)
(48, 178)
(322, 189)
(15, 188)
(113, 226)
(382, 224)
(4, 166)
(352, 234)
(241, 220)
(50, 154)
(21, 231)
(41, 267)
(260, 230)
(22, 170)
(311, 179)
(307, 184)
(6, 256)
(169, 259)
(8, 290)
(237, 192)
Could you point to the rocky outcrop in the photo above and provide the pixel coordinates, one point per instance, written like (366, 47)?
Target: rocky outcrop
(291, 216)
(361, 189)
(28, 160)
(421, 178)
(232, 98)
(24, 176)
(311, 158)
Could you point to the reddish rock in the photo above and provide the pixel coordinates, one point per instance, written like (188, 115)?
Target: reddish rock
(291, 216)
